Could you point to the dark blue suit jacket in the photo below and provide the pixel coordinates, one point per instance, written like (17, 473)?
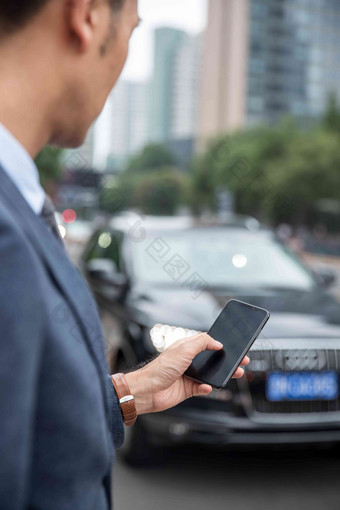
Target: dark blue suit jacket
(59, 416)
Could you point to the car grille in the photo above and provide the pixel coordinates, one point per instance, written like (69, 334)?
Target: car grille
(290, 360)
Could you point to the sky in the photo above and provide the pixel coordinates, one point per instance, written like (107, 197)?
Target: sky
(189, 15)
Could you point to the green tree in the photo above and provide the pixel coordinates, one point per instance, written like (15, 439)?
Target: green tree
(49, 164)
(331, 119)
(310, 172)
(154, 193)
(238, 163)
(277, 174)
(112, 199)
(150, 183)
(159, 193)
(151, 158)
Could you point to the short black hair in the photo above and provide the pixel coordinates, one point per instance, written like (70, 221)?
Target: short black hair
(14, 14)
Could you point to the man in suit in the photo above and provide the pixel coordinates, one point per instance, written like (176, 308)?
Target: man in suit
(61, 413)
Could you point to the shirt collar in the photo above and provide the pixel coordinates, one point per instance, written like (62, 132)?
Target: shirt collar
(21, 169)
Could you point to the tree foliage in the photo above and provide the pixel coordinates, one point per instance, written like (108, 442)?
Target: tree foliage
(152, 157)
(331, 120)
(151, 183)
(159, 193)
(49, 164)
(276, 173)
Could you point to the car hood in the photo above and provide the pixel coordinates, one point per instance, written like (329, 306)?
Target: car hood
(294, 314)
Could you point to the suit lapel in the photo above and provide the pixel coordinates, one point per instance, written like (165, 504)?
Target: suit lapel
(69, 280)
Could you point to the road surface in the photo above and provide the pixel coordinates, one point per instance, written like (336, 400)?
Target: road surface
(196, 480)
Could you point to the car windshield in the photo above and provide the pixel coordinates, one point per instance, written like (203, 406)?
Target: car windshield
(221, 259)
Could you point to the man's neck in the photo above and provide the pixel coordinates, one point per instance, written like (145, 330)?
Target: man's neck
(25, 97)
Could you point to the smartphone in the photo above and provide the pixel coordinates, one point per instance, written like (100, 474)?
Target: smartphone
(237, 327)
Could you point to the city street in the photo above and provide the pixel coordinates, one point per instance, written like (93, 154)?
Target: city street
(272, 480)
(198, 480)
(170, 251)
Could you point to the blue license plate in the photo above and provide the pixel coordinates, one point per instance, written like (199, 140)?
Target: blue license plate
(302, 386)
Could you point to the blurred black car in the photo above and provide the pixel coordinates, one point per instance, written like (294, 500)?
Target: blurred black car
(177, 272)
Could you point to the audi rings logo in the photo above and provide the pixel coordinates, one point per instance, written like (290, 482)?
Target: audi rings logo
(294, 360)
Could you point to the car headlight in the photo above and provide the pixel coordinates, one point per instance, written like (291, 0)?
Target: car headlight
(162, 336)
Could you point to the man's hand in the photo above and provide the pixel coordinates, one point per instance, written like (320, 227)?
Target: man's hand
(161, 384)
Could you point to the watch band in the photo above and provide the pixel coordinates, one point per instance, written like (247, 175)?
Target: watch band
(126, 400)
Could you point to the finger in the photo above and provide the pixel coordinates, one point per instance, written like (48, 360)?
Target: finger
(202, 342)
(196, 344)
(201, 389)
(239, 373)
(245, 361)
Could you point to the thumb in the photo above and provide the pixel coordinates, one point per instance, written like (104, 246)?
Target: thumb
(200, 343)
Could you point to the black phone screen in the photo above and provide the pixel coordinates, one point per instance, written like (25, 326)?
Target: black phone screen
(237, 327)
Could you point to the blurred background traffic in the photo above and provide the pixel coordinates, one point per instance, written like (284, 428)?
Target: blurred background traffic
(214, 172)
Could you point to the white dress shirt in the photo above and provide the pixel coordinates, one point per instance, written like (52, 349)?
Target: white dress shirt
(21, 169)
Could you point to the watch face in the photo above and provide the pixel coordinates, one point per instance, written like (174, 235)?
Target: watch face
(126, 399)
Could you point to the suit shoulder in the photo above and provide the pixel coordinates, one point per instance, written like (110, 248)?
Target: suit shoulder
(18, 260)
(12, 237)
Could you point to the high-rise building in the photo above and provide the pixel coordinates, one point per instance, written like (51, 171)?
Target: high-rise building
(268, 58)
(122, 128)
(120, 131)
(174, 89)
(186, 88)
(138, 135)
(166, 44)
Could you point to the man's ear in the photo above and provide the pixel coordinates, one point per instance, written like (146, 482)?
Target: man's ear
(82, 17)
